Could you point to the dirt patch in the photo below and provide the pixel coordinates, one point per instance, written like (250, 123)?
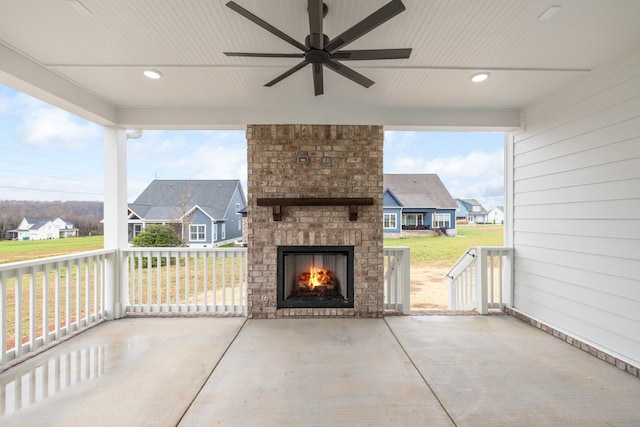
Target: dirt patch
(429, 288)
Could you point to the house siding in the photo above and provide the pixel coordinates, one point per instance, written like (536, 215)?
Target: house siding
(198, 217)
(234, 220)
(576, 210)
(391, 207)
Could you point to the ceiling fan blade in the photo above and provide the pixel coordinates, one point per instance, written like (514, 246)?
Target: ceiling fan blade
(347, 72)
(372, 21)
(318, 81)
(287, 73)
(356, 55)
(265, 55)
(316, 39)
(273, 30)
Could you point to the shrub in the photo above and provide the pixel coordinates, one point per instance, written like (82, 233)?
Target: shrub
(157, 236)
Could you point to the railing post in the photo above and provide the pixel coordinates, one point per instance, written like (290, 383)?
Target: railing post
(507, 290)
(405, 277)
(481, 280)
(453, 294)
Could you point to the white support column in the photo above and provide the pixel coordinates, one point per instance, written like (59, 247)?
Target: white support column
(481, 280)
(508, 190)
(115, 217)
(509, 220)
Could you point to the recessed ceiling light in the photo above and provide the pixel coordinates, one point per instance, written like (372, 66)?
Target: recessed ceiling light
(153, 74)
(479, 77)
(549, 13)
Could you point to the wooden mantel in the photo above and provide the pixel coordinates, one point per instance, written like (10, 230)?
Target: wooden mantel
(279, 202)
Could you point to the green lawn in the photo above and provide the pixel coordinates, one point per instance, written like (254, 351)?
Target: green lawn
(430, 250)
(444, 251)
(22, 250)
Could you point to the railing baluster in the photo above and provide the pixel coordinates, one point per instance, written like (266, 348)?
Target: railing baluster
(87, 291)
(57, 303)
(32, 309)
(215, 280)
(233, 280)
(196, 262)
(158, 284)
(178, 281)
(224, 280)
(45, 304)
(149, 285)
(205, 280)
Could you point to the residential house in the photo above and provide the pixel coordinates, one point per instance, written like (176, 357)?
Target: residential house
(416, 202)
(41, 228)
(472, 211)
(204, 212)
(496, 215)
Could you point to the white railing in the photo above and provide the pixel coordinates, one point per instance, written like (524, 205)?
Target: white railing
(165, 280)
(43, 300)
(397, 279)
(481, 279)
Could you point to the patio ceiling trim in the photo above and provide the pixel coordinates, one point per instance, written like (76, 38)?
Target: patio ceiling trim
(391, 118)
(32, 78)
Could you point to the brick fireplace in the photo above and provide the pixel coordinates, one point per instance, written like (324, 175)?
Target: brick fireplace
(315, 186)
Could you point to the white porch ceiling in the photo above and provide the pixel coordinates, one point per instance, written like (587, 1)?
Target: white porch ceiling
(92, 63)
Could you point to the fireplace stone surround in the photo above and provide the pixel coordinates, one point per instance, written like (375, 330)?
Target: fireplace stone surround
(314, 185)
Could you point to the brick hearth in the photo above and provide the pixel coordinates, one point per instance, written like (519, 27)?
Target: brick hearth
(342, 162)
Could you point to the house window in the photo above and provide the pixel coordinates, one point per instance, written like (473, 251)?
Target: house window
(443, 220)
(215, 232)
(237, 207)
(197, 232)
(412, 219)
(137, 229)
(223, 231)
(389, 220)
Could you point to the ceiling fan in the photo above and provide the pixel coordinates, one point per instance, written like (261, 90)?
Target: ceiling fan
(318, 50)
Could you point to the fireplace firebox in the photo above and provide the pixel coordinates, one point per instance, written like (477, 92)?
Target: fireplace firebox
(315, 277)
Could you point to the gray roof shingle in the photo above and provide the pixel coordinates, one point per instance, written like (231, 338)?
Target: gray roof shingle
(419, 190)
(163, 199)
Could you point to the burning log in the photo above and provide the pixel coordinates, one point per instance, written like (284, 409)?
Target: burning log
(317, 279)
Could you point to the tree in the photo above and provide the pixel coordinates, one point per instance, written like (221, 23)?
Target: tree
(157, 236)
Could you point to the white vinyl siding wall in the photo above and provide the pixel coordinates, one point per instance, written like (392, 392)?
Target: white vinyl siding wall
(576, 210)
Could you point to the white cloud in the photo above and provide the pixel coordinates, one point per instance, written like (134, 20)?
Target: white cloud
(186, 155)
(45, 127)
(477, 175)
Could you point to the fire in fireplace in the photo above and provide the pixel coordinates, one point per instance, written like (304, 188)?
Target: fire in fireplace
(315, 277)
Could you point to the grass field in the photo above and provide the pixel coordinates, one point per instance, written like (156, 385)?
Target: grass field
(444, 251)
(22, 250)
(429, 250)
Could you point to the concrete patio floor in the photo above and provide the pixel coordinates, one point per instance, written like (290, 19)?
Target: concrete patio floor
(400, 371)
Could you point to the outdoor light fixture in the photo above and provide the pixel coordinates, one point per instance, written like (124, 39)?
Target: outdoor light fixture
(153, 74)
(479, 77)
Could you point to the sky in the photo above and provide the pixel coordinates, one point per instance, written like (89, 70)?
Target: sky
(48, 154)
